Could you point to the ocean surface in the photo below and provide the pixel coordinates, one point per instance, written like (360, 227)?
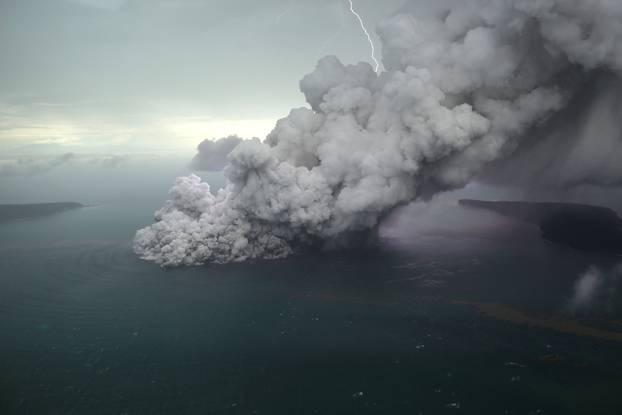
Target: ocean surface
(417, 324)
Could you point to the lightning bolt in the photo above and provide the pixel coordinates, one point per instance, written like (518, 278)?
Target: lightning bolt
(371, 43)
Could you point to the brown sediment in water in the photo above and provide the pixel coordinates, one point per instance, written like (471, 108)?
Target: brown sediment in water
(552, 322)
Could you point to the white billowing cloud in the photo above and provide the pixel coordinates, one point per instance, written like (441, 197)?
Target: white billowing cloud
(461, 89)
(212, 154)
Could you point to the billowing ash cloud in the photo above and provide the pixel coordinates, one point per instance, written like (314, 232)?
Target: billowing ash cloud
(32, 166)
(212, 154)
(460, 90)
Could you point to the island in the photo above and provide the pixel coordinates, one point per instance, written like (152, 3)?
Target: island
(583, 227)
(10, 212)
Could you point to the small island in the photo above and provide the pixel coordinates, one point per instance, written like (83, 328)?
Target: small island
(583, 227)
(10, 212)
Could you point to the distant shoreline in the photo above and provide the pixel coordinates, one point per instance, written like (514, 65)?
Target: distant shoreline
(9, 212)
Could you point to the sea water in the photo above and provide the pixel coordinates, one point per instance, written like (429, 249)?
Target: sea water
(86, 327)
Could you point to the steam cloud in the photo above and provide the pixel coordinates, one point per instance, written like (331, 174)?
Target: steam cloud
(595, 289)
(586, 288)
(460, 90)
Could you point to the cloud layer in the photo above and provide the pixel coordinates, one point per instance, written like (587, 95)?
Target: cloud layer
(31, 166)
(460, 90)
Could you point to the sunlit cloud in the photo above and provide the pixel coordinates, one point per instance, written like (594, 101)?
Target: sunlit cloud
(191, 128)
(20, 126)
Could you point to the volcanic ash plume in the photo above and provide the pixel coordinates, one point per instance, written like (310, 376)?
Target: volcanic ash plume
(212, 154)
(460, 90)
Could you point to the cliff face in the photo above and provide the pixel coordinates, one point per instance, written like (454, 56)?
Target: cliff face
(591, 228)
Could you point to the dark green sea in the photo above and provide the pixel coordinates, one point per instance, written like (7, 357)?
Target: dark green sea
(86, 327)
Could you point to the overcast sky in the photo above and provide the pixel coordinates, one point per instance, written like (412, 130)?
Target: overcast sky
(160, 75)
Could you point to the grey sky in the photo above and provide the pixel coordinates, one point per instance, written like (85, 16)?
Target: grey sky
(137, 75)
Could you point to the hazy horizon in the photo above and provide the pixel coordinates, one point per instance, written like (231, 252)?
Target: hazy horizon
(128, 76)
